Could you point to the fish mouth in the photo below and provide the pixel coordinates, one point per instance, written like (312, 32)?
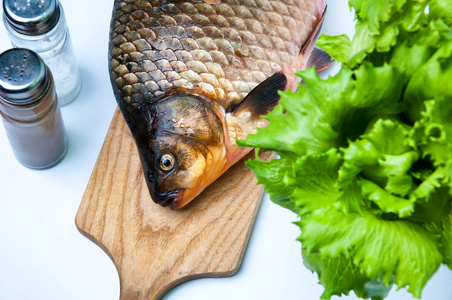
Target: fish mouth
(170, 198)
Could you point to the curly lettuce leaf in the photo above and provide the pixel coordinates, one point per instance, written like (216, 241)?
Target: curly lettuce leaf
(432, 81)
(362, 242)
(381, 26)
(380, 23)
(365, 157)
(330, 272)
(357, 240)
(445, 231)
(275, 176)
(338, 47)
(441, 9)
(350, 155)
(331, 111)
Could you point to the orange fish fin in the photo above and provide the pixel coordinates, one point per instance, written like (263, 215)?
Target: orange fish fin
(263, 97)
(320, 59)
(308, 46)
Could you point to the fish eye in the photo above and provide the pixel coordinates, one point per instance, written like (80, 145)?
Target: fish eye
(167, 162)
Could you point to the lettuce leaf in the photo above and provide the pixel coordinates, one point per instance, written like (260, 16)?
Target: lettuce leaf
(365, 156)
(331, 111)
(338, 47)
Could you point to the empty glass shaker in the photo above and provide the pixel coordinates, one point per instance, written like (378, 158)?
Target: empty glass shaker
(29, 109)
(40, 25)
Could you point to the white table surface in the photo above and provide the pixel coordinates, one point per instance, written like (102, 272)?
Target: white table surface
(43, 256)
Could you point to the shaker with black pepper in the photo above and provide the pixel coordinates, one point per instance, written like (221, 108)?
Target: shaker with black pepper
(40, 25)
(29, 109)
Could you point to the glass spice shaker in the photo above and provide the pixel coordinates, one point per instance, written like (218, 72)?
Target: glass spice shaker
(30, 111)
(40, 25)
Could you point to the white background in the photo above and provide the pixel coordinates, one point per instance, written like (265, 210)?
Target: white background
(43, 256)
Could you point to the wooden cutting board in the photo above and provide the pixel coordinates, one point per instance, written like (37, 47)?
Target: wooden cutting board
(153, 248)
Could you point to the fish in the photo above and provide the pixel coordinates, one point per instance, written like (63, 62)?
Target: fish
(191, 77)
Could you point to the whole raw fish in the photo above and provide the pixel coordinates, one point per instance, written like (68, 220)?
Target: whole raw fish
(191, 77)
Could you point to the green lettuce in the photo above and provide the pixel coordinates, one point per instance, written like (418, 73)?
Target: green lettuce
(365, 156)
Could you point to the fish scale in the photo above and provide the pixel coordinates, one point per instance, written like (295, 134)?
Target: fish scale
(221, 51)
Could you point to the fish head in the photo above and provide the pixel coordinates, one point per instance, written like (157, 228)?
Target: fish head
(181, 146)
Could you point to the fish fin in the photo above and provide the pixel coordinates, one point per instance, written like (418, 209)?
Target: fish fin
(320, 59)
(263, 97)
(308, 46)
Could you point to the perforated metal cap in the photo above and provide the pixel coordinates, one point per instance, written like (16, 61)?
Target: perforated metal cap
(23, 76)
(31, 17)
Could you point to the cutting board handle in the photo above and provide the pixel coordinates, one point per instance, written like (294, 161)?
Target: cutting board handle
(153, 248)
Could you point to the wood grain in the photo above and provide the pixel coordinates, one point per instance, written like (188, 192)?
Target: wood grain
(155, 248)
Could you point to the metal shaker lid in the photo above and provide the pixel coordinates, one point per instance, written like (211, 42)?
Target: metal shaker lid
(23, 76)
(31, 17)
